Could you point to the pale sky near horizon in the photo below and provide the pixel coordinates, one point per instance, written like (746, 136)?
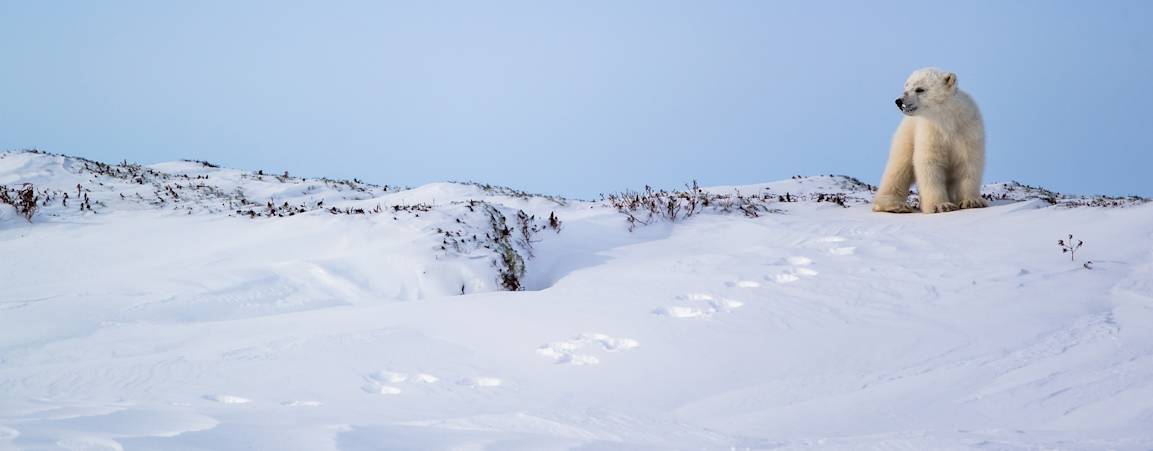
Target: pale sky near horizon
(576, 98)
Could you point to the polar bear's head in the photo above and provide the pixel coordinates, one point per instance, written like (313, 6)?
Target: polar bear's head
(926, 89)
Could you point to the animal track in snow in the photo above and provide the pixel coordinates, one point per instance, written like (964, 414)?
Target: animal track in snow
(799, 268)
(302, 404)
(847, 250)
(389, 377)
(378, 388)
(610, 343)
(744, 284)
(565, 351)
(676, 311)
(715, 305)
(797, 260)
(384, 382)
(726, 304)
(807, 272)
(578, 359)
(227, 399)
(477, 382)
(783, 277)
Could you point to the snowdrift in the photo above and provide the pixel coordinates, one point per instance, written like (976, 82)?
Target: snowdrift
(186, 306)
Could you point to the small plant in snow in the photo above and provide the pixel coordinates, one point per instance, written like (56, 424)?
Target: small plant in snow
(527, 227)
(204, 163)
(1069, 247)
(25, 202)
(554, 222)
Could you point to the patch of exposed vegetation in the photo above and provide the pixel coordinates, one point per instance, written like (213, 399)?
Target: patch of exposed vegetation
(1016, 191)
(24, 199)
(512, 192)
(649, 205)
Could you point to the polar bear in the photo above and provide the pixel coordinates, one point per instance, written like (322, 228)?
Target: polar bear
(940, 145)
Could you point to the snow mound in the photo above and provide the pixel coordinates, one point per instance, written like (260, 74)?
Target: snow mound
(189, 306)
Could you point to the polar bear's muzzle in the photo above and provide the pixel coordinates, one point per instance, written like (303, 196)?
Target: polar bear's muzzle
(905, 107)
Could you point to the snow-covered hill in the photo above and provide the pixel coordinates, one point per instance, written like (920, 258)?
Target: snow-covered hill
(187, 306)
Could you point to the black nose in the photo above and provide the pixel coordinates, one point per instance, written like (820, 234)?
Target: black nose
(900, 103)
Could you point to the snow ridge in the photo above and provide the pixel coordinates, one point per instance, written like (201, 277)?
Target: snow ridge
(197, 307)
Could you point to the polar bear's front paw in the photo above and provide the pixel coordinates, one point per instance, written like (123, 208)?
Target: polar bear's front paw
(942, 207)
(893, 208)
(974, 203)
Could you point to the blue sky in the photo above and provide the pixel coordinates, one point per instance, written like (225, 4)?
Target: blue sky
(576, 98)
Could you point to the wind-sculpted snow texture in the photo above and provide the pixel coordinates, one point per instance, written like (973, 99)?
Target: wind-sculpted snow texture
(189, 308)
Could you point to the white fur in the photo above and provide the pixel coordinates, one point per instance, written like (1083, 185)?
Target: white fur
(940, 145)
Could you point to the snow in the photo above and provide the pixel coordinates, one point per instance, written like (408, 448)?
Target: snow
(174, 322)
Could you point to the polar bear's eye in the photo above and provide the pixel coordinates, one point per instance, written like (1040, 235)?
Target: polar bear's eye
(919, 90)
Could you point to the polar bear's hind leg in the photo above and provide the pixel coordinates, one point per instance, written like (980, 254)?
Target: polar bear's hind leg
(968, 183)
(932, 168)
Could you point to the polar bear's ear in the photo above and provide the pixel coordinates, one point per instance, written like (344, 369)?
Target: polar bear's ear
(951, 80)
